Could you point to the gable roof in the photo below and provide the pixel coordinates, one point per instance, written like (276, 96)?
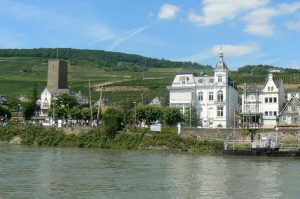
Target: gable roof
(295, 100)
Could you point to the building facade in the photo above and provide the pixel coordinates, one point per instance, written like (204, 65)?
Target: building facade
(215, 98)
(290, 114)
(261, 106)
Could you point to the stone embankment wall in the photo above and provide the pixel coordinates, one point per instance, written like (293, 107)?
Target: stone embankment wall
(223, 134)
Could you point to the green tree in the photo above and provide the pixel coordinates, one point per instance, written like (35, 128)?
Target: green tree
(113, 121)
(127, 109)
(152, 113)
(30, 107)
(4, 112)
(67, 101)
(190, 117)
(172, 116)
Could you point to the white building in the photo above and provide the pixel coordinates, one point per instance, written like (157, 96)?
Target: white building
(263, 105)
(47, 99)
(215, 97)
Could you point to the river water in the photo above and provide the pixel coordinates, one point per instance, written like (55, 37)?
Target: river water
(34, 172)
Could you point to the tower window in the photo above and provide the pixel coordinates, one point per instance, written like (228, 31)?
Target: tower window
(219, 78)
(220, 96)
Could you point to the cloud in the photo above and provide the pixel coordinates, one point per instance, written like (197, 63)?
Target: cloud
(259, 21)
(129, 35)
(293, 25)
(168, 11)
(236, 50)
(216, 11)
(229, 50)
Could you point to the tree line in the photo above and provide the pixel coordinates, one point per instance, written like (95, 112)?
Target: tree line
(109, 60)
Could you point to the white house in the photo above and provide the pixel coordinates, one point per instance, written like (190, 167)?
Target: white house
(263, 105)
(47, 99)
(215, 97)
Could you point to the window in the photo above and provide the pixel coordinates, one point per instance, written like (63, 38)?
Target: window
(274, 99)
(220, 112)
(200, 81)
(266, 100)
(219, 78)
(272, 88)
(270, 99)
(220, 96)
(275, 113)
(184, 80)
(211, 81)
(211, 96)
(269, 88)
(270, 113)
(200, 96)
(266, 113)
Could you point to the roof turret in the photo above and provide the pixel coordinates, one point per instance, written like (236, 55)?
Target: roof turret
(221, 64)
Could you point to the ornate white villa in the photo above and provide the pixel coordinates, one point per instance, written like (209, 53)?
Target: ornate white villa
(215, 97)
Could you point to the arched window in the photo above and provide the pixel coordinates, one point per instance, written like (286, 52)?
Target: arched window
(272, 88)
(220, 96)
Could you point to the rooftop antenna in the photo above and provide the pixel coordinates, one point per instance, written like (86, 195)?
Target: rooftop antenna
(221, 51)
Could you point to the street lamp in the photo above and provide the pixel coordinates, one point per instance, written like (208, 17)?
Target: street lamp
(134, 113)
(53, 112)
(298, 129)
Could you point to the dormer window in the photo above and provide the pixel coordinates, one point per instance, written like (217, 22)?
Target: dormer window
(200, 81)
(184, 80)
(211, 81)
(269, 88)
(219, 78)
(272, 88)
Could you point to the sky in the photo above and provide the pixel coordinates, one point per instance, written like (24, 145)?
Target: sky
(247, 31)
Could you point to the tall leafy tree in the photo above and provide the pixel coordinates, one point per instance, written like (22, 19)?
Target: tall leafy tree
(172, 116)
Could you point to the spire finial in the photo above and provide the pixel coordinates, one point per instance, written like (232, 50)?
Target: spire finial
(221, 52)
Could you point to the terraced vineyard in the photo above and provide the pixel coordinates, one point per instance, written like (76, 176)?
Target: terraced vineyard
(125, 76)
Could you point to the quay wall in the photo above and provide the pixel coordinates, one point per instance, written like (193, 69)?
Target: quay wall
(240, 134)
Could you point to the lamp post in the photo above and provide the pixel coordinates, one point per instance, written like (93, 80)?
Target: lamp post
(18, 110)
(134, 114)
(298, 129)
(53, 112)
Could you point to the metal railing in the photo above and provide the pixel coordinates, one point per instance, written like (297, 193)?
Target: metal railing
(261, 144)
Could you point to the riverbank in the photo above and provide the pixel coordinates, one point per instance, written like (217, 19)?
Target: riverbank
(142, 139)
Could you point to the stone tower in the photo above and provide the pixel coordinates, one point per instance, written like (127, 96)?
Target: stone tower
(57, 75)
